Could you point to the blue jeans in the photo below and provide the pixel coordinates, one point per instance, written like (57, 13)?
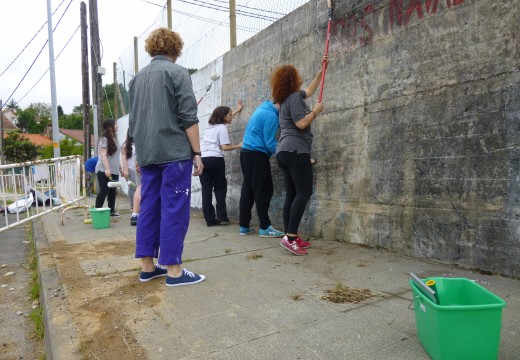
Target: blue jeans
(165, 211)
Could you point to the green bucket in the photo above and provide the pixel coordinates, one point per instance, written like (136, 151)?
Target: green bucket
(100, 217)
(466, 324)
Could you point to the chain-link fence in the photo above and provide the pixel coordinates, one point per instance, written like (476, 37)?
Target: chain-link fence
(205, 28)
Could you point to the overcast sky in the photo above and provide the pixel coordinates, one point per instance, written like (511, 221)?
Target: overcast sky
(20, 20)
(203, 25)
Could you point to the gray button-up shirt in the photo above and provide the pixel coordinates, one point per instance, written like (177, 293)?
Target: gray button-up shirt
(163, 106)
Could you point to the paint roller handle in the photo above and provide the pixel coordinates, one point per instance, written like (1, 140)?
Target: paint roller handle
(331, 9)
(324, 63)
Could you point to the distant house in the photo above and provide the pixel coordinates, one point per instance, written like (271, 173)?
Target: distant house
(36, 139)
(77, 135)
(9, 120)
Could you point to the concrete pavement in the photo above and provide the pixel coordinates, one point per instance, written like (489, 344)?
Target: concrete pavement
(258, 301)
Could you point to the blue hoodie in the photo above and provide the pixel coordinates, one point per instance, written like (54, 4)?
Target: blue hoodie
(260, 134)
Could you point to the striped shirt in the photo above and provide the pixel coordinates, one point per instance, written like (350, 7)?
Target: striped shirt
(163, 106)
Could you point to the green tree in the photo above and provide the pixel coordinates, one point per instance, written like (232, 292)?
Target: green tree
(68, 147)
(19, 149)
(60, 111)
(26, 118)
(42, 110)
(13, 105)
(72, 121)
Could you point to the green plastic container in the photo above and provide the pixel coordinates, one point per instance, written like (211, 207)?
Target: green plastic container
(100, 217)
(466, 324)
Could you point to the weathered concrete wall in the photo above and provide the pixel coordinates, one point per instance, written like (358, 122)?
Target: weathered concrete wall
(418, 148)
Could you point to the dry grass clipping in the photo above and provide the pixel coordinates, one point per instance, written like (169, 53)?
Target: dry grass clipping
(343, 294)
(254, 256)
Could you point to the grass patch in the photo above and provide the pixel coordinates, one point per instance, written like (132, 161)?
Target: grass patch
(254, 256)
(227, 251)
(296, 297)
(37, 314)
(343, 294)
(37, 318)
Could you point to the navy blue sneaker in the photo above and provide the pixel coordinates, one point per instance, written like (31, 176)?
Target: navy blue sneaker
(147, 276)
(187, 278)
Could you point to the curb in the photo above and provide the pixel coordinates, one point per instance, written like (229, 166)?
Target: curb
(60, 339)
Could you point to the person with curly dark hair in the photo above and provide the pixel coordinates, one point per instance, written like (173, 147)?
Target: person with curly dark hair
(214, 143)
(108, 165)
(164, 126)
(293, 152)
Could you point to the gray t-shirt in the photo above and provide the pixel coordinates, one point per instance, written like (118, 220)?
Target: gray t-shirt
(291, 138)
(113, 160)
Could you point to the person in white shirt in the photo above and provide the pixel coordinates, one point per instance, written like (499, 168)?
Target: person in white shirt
(213, 179)
(130, 172)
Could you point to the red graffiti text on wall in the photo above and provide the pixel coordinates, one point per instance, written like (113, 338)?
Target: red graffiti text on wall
(358, 26)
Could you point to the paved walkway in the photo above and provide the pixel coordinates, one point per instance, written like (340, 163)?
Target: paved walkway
(258, 301)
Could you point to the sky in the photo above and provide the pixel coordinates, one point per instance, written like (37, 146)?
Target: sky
(205, 33)
(119, 22)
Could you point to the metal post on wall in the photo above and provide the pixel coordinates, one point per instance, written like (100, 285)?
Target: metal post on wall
(232, 23)
(169, 15)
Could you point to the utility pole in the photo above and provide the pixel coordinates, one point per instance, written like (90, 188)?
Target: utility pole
(84, 82)
(95, 65)
(136, 57)
(2, 157)
(169, 15)
(54, 105)
(232, 23)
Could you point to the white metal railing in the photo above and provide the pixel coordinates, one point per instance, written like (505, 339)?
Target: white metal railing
(32, 189)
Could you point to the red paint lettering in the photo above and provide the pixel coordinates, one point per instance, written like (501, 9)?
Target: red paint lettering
(396, 11)
(414, 5)
(369, 33)
(455, 3)
(429, 3)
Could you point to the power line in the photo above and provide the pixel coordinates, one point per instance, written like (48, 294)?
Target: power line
(25, 47)
(46, 71)
(39, 53)
(226, 9)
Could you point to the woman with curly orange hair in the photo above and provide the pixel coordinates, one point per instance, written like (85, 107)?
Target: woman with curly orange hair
(293, 152)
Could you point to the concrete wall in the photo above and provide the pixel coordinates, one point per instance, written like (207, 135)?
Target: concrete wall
(418, 148)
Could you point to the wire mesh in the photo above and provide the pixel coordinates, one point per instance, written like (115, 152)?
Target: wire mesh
(204, 27)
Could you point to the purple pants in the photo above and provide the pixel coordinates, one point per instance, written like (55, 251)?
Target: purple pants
(165, 211)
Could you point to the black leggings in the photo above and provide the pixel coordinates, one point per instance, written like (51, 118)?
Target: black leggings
(297, 178)
(105, 191)
(213, 179)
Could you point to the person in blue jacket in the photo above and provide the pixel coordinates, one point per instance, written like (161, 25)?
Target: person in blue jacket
(258, 146)
(90, 175)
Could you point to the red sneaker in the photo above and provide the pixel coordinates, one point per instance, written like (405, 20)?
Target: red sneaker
(292, 246)
(302, 243)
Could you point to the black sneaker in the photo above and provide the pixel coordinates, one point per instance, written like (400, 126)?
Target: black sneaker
(213, 223)
(115, 214)
(133, 220)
